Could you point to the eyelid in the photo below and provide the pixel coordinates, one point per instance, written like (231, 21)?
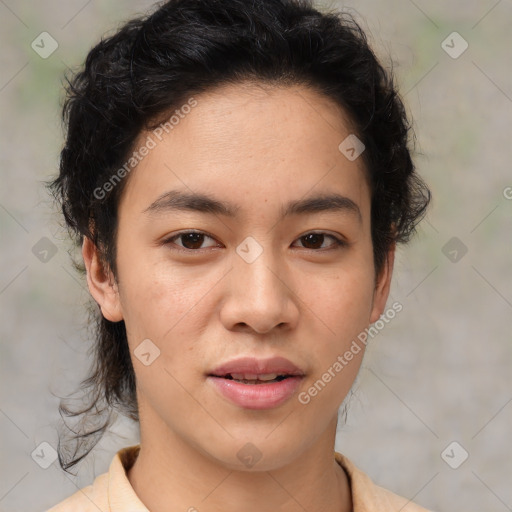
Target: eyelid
(169, 240)
(338, 242)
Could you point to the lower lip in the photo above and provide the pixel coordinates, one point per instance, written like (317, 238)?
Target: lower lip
(257, 396)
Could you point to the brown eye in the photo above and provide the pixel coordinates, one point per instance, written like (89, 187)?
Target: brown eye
(190, 240)
(314, 241)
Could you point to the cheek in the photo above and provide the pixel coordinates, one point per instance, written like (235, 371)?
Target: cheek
(341, 308)
(343, 301)
(158, 304)
(164, 303)
(166, 310)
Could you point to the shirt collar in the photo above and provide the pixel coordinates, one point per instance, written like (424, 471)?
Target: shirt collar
(122, 497)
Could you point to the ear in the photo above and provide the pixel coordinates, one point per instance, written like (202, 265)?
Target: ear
(101, 282)
(383, 285)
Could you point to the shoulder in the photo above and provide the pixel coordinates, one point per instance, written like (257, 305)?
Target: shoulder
(369, 497)
(108, 489)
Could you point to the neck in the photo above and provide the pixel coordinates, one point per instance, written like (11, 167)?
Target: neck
(169, 476)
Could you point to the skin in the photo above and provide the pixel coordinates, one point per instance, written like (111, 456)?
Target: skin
(257, 147)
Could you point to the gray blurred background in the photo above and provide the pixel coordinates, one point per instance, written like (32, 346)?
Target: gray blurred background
(438, 374)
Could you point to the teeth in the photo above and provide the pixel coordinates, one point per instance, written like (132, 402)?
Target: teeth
(252, 376)
(268, 376)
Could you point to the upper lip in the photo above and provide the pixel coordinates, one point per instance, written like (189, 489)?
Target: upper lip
(252, 365)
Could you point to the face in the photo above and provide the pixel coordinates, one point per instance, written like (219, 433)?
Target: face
(280, 265)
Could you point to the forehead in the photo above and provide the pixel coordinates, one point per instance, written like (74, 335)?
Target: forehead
(249, 117)
(248, 141)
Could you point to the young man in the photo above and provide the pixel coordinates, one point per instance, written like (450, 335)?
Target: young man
(238, 176)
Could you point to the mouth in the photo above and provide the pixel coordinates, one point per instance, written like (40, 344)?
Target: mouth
(257, 384)
(253, 379)
(253, 369)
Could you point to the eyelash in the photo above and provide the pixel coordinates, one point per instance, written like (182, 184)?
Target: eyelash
(338, 242)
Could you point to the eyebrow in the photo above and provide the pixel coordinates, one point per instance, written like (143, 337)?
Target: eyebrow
(175, 200)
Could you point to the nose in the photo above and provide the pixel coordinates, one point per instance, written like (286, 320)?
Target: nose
(259, 296)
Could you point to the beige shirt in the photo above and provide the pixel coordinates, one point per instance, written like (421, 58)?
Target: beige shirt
(112, 491)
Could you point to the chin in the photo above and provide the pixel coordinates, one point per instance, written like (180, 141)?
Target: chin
(259, 453)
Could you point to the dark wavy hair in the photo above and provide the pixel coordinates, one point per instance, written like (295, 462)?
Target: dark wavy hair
(149, 67)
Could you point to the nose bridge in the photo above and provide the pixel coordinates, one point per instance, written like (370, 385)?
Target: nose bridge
(259, 297)
(261, 274)
(256, 269)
